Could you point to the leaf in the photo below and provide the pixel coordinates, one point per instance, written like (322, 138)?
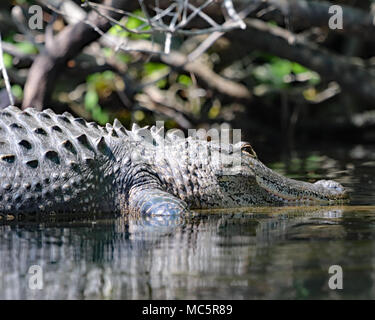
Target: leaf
(26, 47)
(17, 91)
(185, 80)
(8, 60)
(91, 99)
(100, 116)
(297, 68)
(151, 67)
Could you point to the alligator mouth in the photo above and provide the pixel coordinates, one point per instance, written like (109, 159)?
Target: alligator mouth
(292, 191)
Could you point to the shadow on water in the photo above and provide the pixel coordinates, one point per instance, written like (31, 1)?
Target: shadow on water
(273, 252)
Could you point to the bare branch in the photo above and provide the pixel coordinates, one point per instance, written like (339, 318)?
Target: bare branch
(330, 66)
(5, 74)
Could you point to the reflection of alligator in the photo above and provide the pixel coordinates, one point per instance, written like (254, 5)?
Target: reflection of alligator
(58, 163)
(254, 254)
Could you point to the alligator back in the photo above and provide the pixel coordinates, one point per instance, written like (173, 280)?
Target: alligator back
(49, 162)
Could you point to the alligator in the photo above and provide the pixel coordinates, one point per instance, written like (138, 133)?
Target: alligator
(52, 163)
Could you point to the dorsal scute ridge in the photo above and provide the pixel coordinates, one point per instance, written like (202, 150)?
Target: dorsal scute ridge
(135, 127)
(41, 134)
(77, 136)
(47, 111)
(14, 109)
(117, 124)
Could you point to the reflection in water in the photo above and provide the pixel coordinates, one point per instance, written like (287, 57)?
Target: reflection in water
(258, 253)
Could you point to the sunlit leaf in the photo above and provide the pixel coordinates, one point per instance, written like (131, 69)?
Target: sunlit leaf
(17, 91)
(151, 67)
(26, 47)
(185, 80)
(8, 60)
(91, 99)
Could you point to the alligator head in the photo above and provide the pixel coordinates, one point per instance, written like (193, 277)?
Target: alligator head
(251, 182)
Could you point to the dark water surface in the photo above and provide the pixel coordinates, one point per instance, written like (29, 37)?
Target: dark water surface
(266, 253)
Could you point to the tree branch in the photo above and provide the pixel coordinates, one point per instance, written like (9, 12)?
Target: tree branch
(64, 46)
(304, 14)
(352, 76)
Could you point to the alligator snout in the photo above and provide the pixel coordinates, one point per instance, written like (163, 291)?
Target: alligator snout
(334, 187)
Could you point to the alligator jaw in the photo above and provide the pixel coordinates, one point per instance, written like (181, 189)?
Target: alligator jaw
(292, 191)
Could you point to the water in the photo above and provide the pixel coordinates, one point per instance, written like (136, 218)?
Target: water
(252, 253)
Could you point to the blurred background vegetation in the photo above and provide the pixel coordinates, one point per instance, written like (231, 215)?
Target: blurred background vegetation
(286, 81)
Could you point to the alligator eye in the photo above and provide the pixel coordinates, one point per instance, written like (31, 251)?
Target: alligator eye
(246, 148)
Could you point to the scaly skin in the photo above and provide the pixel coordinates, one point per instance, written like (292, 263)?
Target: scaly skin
(55, 163)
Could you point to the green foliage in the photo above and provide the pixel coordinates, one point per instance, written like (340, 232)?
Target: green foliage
(131, 23)
(98, 84)
(101, 81)
(116, 30)
(26, 47)
(151, 67)
(154, 70)
(91, 100)
(100, 115)
(92, 105)
(214, 110)
(134, 23)
(8, 60)
(17, 91)
(184, 80)
(162, 83)
(276, 72)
